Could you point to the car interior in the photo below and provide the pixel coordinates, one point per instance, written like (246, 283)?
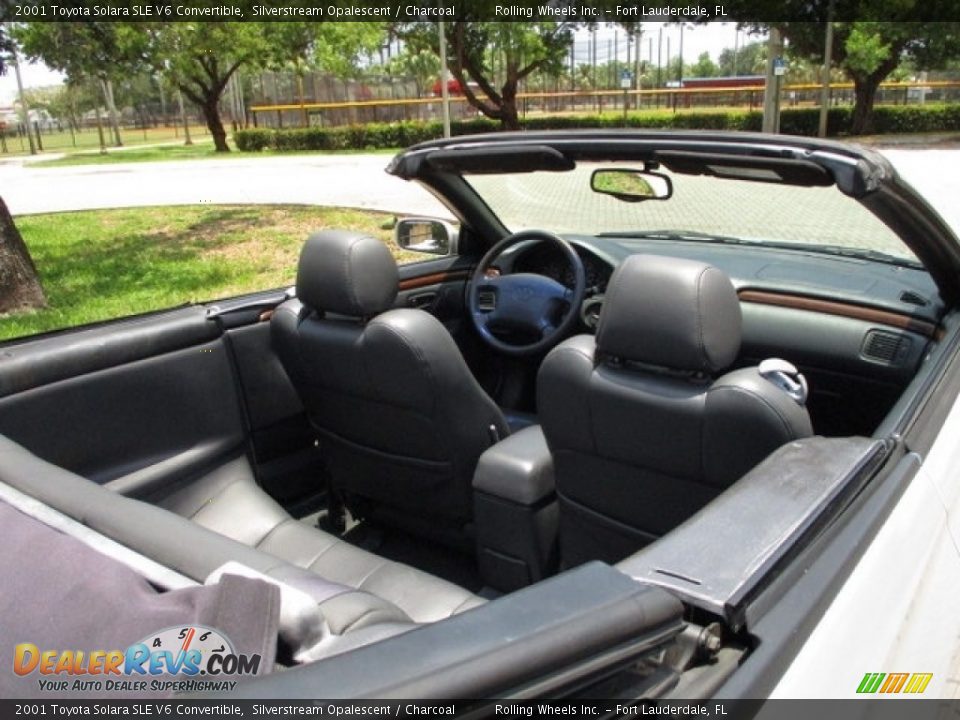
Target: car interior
(539, 453)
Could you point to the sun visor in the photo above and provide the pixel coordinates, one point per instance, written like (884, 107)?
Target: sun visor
(747, 167)
(500, 159)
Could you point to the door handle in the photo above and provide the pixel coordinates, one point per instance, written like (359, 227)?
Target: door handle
(421, 300)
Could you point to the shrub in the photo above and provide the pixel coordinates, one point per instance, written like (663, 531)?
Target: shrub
(253, 140)
(793, 121)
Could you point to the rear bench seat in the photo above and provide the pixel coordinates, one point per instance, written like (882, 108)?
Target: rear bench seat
(234, 520)
(229, 502)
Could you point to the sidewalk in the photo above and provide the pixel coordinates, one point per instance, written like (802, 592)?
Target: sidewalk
(917, 141)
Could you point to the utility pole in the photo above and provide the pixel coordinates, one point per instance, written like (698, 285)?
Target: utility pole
(736, 49)
(680, 68)
(444, 90)
(771, 92)
(825, 80)
(636, 61)
(24, 108)
(660, 56)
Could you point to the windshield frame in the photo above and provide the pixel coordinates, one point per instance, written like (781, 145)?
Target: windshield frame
(859, 172)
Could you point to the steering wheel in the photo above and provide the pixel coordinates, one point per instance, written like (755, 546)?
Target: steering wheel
(533, 304)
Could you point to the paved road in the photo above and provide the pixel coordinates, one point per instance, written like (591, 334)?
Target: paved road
(344, 180)
(347, 180)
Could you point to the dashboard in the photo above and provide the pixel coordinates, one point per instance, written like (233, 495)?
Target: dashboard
(858, 328)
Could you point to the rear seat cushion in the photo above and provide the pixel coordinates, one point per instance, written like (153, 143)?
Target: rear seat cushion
(179, 544)
(229, 501)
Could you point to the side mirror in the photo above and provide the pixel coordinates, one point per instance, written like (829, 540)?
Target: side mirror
(425, 235)
(631, 185)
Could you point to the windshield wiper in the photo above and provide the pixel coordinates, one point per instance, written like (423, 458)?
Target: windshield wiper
(835, 250)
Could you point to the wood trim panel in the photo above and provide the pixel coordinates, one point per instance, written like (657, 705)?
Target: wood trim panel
(432, 279)
(842, 309)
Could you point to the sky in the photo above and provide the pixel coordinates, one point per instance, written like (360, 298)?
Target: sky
(711, 38)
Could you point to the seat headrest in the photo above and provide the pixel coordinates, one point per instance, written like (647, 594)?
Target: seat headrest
(672, 313)
(346, 273)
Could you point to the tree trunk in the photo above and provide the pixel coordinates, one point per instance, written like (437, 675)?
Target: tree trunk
(509, 118)
(864, 92)
(20, 287)
(211, 113)
(107, 88)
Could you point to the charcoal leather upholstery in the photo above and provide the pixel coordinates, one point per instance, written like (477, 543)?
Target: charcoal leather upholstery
(401, 419)
(642, 432)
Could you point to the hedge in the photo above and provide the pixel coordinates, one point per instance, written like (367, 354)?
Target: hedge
(793, 121)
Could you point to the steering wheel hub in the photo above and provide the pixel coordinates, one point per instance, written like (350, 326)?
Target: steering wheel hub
(535, 305)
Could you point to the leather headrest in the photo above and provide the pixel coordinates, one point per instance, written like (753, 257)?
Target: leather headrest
(346, 273)
(670, 312)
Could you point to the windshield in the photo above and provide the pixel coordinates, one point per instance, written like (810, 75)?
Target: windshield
(816, 218)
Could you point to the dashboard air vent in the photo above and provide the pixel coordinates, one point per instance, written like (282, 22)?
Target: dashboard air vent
(913, 298)
(884, 347)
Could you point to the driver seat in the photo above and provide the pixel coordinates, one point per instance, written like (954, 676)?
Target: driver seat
(401, 419)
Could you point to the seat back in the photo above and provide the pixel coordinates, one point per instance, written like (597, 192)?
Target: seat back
(641, 433)
(401, 419)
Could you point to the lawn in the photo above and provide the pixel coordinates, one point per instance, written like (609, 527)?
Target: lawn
(88, 139)
(197, 151)
(102, 264)
(159, 153)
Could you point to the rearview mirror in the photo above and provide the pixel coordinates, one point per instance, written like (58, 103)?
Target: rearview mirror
(425, 235)
(631, 185)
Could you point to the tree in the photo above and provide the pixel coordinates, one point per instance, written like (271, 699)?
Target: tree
(20, 286)
(704, 67)
(201, 57)
(341, 48)
(86, 49)
(871, 38)
(749, 59)
(480, 52)
(421, 65)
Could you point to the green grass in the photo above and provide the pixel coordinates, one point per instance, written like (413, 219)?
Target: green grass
(198, 151)
(88, 139)
(102, 264)
(161, 153)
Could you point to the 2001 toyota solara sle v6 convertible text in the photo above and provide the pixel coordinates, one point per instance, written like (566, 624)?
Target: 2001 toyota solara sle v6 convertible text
(656, 415)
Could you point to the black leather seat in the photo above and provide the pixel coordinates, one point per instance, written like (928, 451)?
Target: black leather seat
(401, 419)
(641, 433)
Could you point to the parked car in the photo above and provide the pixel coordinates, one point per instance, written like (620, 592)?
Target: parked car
(660, 416)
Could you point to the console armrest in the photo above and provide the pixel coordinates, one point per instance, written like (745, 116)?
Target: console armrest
(519, 468)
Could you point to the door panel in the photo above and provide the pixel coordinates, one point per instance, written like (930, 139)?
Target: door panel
(92, 409)
(439, 287)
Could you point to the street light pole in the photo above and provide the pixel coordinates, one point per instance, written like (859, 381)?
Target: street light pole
(771, 92)
(444, 91)
(24, 109)
(825, 81)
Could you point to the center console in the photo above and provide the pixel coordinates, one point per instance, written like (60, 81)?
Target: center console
(515, 511)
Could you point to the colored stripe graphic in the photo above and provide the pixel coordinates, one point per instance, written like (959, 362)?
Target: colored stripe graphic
(918, 682)
(870, 682)
(893, 683)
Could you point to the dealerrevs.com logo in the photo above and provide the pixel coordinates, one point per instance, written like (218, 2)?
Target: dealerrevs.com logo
(177, 659)
(894, 683)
